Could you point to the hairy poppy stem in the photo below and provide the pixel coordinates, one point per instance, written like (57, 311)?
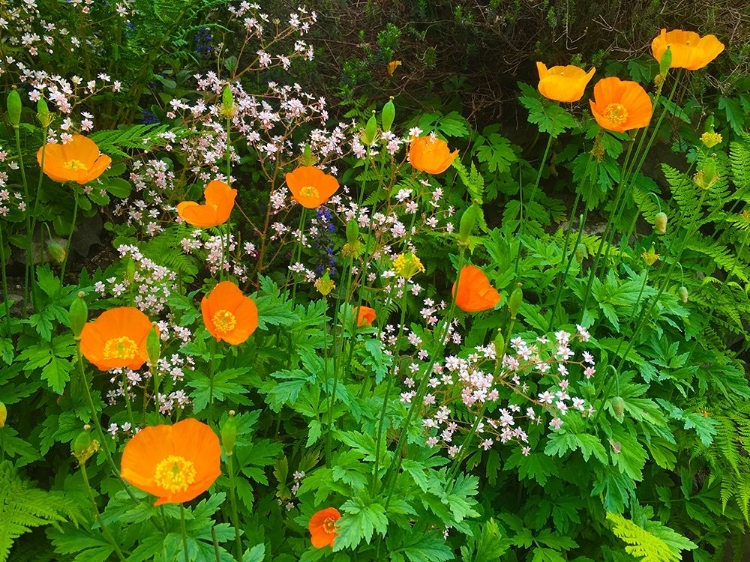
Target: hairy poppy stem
(70, 236)
(184, 533)
(105, 530)
(233, 503)
(27, 214)
(5, 285)
(539, 173)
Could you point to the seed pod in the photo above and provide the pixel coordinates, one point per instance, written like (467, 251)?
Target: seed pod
(499, 345)
(370, 129)
(660, 223)
(42, 113)
(14, 106)
(229, 433)
(78, 314)
(352, 231)
(388, 114)
(618, 407)
(467, 224)
(3, 415)
(683, 293)
(515, 301)
(153, 347)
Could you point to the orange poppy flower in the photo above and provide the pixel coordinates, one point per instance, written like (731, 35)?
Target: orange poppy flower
(322, 527)
(689, 50)
(228, 314)
(365, 316)
(310, 186)
(563, 83)
(620, 105)
(78, 161)
(431, 155)
(116, 339)
(475, 293)
(175, 463)
(219, 204)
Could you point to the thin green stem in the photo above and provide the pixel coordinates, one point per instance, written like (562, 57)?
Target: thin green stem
(561, 281)
(212, 348)
(183, 528)
(298, 251)
(233, 503)
(36, 210)
(541, 169)
(6, 303)
(27, 215)
(126, 392)
(98, 425)
(105, 530)
(70, 236)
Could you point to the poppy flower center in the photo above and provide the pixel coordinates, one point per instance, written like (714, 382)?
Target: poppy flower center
(224, 321)
(120, 348)
(329, 525)
(309, 191)
(75, 165)
(616, 113)
(175, 474)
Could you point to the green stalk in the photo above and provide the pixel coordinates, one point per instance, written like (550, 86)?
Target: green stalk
(36, 211)
(27, 215)
(6, 321)
(211, 382)
(561, 281)
(70, 236)
(184, 533)
(389, 386)
(105, 530)
(298, 250)
(127, 399)
(233, 503)
(98, 425)
(541, 168)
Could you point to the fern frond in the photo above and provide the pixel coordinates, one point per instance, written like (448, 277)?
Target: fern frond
(684, 192)
(135, 137)
(641, 543)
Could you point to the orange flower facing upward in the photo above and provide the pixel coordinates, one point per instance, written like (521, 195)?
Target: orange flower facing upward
(228, 314)
(310, 186)
(563, 83)
(689, 50)
(175, 463)
(365, 316)
(431, 155)
(620, 105)
(116, 339)
(475, 293)
(219, 204)
(78, 161)
(322, 527)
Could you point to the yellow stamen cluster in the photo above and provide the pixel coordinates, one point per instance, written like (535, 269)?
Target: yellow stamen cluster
(224, 321)
(407, 265)
(309, 191)
(710, 140)
(120, 348)
(329, 525)
(175, 474)
(616, 113)
(75, 165)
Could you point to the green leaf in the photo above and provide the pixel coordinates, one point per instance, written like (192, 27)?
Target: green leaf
(57, 374)
(360, 521)
(535, 466)
(497, 153)
(547, 115)
(422, 546)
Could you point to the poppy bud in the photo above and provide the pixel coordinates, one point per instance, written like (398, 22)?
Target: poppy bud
(78, 314)
(55, 252)
(468, 221)
(229, 433)
(130, 272)
(388, 114)
(660, 223)
(307, 157)
(683, 293)
(352, 231)
(618, 407)
(3, 415)
(153, 347)
(42, 113)
(370, 129)
(14, 106)
(515, 301)
(499, 345)
(227, 101)
(650, 257)
(84, 446)
(708, 175)
(581, 252)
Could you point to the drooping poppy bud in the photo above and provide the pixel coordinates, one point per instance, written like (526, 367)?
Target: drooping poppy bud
(515, 301)
(229, 433)
(618, 407)
(43, 114)
(370, 130)
(683, 294)
(467, 224)
(78, 314)
(14, 107)
(660, 223)
(581, 252)
(388, 114)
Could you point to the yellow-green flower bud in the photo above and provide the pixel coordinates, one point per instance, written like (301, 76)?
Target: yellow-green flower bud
(660, 223)
(78, 314)
(407, 265)
(388, 115)
(499, 345)
(307, 156)
(130, 272)
(229, 433)
(352, 231)
(3, 415)
(370, 130)
(683, 294)
(56, 252)
(467, 224)
(43, 114)
(515, 301)
(153, 347)
(83, 446)
(665, 62)
(582, 252)
(227, 101)
(14, 106)
(618, 407)
(325, 285)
